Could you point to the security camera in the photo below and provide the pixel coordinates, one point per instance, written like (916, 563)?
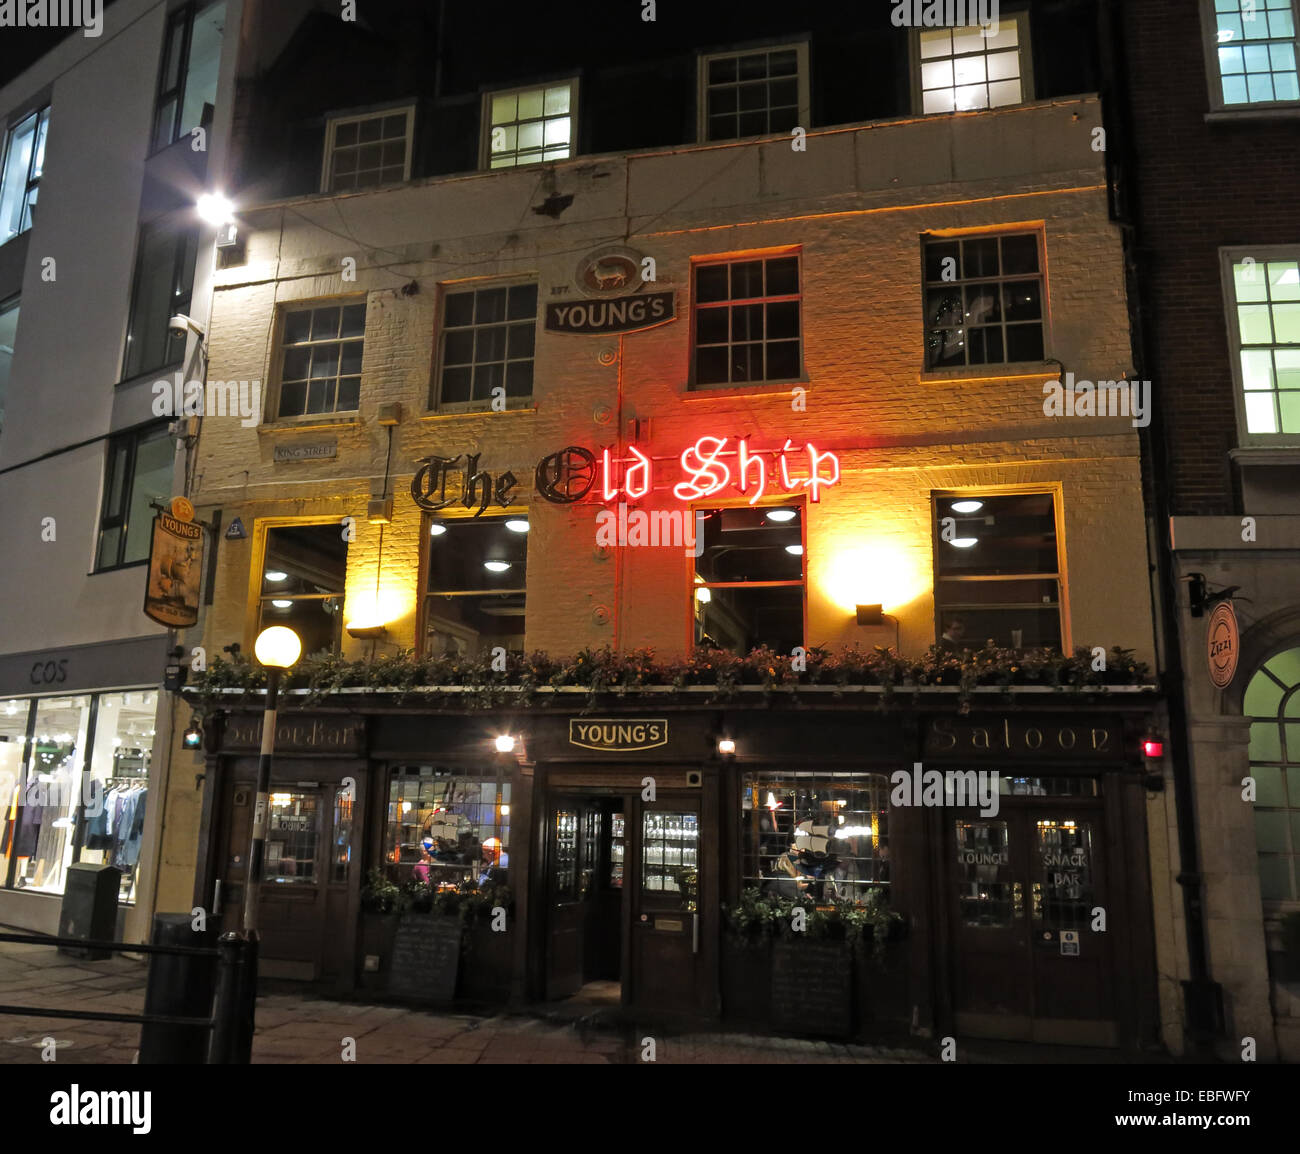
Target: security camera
(180, 323)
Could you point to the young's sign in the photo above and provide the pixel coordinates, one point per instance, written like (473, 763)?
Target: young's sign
(175, 564)
(623, 314)
(618, 735)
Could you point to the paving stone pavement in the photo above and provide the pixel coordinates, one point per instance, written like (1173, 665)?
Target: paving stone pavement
(296, 1028)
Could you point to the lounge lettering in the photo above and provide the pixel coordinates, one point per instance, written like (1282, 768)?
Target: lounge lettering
(623, 736)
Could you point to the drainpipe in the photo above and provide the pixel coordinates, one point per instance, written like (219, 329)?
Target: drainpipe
(1202, 996)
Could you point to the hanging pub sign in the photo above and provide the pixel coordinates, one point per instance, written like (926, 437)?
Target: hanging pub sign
(175, 563)
(623, 314)
(1222, 637)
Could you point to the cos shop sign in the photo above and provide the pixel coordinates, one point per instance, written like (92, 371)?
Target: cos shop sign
(50, 672)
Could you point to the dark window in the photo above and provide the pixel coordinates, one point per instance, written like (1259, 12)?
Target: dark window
(996, 571)
(368, 151)
(8, 334)
(187, 88)
(164, 283)
(749, 579)
(823, 835)
(487, 343)
(23, 163)
(320, 363)
(139, 473)
(751, 94)
(747, 323)
(477, 583)
(303, 578)
(984, 300)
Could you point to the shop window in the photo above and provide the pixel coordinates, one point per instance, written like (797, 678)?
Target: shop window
(15, 714)
(748, 590)
(746, 321)
(530, 125)
(754, 93)
(997, 576)
(187, 87)
(24, 160)
(304, 571)
(960, 69)
(163, 287)
(111, 828)
(320, 359)
(477, 585)
(984, 300)
(448, 827)
(139, 472)
(364, 151)
(8, 334)
(824, 835)
(1251, 46)
(1272, 703)
(1263, 291)
(486, 346)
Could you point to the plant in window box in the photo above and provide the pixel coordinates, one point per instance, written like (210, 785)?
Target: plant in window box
(380, 895)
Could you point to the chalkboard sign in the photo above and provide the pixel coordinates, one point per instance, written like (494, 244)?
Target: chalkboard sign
(426, 958)
(812, 989)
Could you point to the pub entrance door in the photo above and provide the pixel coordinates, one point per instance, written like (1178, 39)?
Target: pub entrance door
(1023, 887)
(306, 876)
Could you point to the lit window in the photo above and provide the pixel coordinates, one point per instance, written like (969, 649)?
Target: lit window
(139, 473)
(961, 69)
(1264, 329)
(748, 590)
(997, 576)
(984, 300)
(478, 568)
(304, 572)
(23, 163)
(486, 343)
(364, 151)
(1272, 703)
(320, 366)
(530, 125)
(747, 321)
(1253, 46)
(187, 87)
(755, 93)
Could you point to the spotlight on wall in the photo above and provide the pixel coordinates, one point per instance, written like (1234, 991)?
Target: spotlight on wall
(871, 614)
(193, 737)
(726, 746)
(366, 632)
(505, 743)
(215, 208)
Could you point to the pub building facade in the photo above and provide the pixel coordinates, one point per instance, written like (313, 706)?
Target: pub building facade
(559, 382)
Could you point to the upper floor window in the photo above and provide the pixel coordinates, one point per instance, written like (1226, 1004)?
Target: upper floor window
(1263, 291)
(984, 300)
(530, 125)
(8, 334)
(187, 87)
(164, 284)
(24, 160)
(748, 589)
(1272, 703)
(747, 321)
(477, 585)
(754, 93)
(487, 337)
(964, 68)
(320, 359)
(997, 576)
(304, 572)
(139, 473)
(363, 151)
(1253, 47)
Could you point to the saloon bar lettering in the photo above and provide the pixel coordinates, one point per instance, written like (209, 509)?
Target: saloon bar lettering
(297, 734)
(1026, 737)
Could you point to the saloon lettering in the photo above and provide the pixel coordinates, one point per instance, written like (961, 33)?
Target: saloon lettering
(947, 737)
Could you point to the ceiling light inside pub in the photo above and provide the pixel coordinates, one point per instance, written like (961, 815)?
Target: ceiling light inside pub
(967, 506)
(782, 514)
(496, 566)
(517, 525)
(276, 575)
(963, 542)
(436, 530)
(281, 604)
(796, 550)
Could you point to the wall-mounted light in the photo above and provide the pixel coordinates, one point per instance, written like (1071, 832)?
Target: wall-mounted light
(366, 632)
(871, 614)
(505, 743)
(1153, 747)
(193, 736)
(215, 208)
(726, 746)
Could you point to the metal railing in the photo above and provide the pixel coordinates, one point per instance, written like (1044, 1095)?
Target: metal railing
(232, 1017)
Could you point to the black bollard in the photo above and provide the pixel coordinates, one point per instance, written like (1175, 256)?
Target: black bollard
(181, 986)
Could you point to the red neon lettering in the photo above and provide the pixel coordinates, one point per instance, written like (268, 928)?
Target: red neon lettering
(708, 469)
(635, 490)
(608, 490)
(745, 462)
(785, 468)
(815, 479)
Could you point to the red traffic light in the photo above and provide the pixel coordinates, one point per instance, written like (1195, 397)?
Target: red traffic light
(1153, 748)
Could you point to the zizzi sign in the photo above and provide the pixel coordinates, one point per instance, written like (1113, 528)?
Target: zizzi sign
(615, 735)
(617, 315)
(1221, 639)
(1012, 736)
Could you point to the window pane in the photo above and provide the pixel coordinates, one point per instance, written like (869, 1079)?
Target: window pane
(43, 833)
(204, 62)
(13, 185)
(8, 335)
(165, 256)
(152, 482)
(484, 557)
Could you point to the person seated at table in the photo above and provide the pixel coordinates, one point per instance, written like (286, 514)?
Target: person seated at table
(421, 871)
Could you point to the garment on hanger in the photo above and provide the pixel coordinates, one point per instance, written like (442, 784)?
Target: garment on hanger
(97, 833)
(135, 831)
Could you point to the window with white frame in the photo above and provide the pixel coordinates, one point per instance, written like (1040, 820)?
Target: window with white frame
(1263, 292)
(320, 358)
(364, 151)
(747, 321)
(23, 161)
(487, 337)
(964, 68)
(1252, 45)
(530, 125)
(753, 93)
